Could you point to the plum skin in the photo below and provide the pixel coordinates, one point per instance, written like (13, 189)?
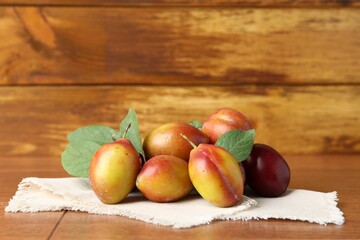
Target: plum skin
(166, 140)
(224, 120)
(216, 175)
(113, 171)
(267, 172)
(164, 178)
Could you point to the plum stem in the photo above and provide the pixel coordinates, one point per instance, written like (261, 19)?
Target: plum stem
(126, 130)
(187, 139)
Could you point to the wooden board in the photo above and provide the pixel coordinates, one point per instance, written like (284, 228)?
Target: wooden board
(294, 119)
(207, 3)
(25, 225)
(178, 46)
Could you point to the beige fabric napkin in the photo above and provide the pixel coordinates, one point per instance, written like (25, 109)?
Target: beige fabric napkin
(75, 194)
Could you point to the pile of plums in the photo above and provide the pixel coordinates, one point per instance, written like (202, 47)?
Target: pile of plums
(181, 157)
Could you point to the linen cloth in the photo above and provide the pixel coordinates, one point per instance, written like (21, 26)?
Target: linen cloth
(75, 194)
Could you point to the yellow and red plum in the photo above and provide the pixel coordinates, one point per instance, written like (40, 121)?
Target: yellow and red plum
(216, 175)
(164, 178)
(166, 140)
(113, 171)
(224, 120)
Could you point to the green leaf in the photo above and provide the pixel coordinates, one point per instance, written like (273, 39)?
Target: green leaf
(85, 141)
(96, 134)
(77, 156)
(238, 143)
(196, 124)
(133, 133)
(83, 144)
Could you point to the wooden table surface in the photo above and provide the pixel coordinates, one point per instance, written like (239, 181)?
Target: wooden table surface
(321, 173)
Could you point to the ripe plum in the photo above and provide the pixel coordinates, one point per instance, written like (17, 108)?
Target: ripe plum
(267, 172)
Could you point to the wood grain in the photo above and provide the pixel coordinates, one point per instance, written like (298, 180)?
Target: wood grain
(25, 225)
(201, 3)
(294, 119)
(178, 46)
(316, 172)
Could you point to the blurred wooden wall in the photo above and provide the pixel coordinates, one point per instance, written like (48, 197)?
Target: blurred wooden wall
(293, 67)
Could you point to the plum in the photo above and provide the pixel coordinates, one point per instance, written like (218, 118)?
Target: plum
(113, 170)
(267, 172)
(166, 140)
(164, 178)
(216, 175)
(224, 120)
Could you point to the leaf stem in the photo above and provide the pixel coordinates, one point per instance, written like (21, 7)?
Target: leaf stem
(126, 130)
(187, 139)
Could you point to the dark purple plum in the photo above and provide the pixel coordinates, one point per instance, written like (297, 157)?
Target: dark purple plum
(267, 172)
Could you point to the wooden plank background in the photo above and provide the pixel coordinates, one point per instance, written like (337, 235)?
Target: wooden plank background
(178, 46)
(293, 67)
(202, 3)
(35, 120)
